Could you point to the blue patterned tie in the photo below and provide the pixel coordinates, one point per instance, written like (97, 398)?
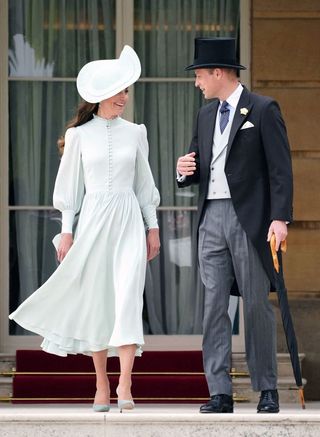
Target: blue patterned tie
(224, 116)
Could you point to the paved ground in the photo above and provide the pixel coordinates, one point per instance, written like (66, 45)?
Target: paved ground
(78, 420)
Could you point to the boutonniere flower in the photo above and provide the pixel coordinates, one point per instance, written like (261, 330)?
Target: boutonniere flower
(244, 111)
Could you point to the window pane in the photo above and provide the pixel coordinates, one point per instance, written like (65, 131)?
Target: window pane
(174, 295)
(165, 31)
(38, 115)
(173, 291)
(32, 255)
(168, 110)
(173, 299)
(57, 37)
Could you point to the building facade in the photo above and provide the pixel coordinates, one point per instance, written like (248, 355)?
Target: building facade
(43, 46)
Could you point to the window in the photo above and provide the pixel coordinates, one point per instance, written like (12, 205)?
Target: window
(48, 44)
(167, 102)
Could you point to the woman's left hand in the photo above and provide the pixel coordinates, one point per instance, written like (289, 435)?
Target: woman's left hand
(153, 243)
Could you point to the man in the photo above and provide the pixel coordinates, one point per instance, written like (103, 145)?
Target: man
(240, 157)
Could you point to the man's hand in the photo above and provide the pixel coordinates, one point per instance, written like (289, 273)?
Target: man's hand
(64, 246)
(153, 243)
(186, 165)
(280, 230)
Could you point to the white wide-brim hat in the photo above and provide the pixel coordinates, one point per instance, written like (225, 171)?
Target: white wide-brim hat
(99, 80)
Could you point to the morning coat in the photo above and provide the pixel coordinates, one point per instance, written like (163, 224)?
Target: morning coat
(258, 168)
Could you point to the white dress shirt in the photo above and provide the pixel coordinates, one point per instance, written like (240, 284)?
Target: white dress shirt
(232, 100)
(218, 186)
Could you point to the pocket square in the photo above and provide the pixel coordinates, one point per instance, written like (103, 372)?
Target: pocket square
(246, 125)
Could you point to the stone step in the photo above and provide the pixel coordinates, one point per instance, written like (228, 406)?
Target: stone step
(7, 362)
(241, 384)
(5, 387)
(157, 421)
(288, 391)
(239, 363)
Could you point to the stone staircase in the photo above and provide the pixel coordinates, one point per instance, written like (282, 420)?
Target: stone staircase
(7, 364)
(287, 388)
(241, 382)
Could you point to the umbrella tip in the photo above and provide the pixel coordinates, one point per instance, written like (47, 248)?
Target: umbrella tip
(301, 395)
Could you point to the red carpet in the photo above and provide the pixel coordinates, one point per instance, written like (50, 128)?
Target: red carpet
(157, 377)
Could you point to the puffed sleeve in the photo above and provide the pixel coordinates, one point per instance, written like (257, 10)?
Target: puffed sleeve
(144, 186)
(69, 186)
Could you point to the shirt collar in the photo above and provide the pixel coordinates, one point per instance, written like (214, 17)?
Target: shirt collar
(234, 98)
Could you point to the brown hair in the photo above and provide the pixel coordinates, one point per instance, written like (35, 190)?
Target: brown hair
(84, 113)
(230, 71)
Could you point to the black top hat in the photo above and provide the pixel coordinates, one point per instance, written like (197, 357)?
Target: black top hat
(215, 52)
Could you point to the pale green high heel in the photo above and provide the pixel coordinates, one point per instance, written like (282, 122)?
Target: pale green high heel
(100, 408)
(124, 404)
(97, 408)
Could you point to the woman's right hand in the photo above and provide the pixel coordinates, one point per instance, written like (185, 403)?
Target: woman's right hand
(64, 246)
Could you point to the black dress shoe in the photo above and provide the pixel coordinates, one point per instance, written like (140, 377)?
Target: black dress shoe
(269, 402)
(218, 404)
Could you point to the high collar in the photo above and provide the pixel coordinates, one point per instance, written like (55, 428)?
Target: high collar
(109, 121)
(234, 98)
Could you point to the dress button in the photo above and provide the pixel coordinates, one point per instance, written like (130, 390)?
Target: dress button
(212, 180)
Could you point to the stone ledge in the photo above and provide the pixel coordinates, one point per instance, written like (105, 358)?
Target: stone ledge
(156, 420)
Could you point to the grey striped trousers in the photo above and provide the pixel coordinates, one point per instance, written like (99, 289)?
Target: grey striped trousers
(225, 253)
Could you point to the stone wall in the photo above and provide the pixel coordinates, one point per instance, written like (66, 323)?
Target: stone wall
(286, 66)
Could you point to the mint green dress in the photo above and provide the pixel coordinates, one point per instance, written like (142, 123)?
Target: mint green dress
(94, 300)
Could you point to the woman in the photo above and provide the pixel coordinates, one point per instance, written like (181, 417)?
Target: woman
(92, 304)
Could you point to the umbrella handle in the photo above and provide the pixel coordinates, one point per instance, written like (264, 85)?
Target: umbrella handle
(283, 247)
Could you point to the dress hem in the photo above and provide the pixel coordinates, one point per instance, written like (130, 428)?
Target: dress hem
(56, 344)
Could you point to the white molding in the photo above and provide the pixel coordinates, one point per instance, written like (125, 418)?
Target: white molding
(51, 208)
(245, 41)
(152, 343)
(124, 24)
(31, 208)
(41, 79)
(73, 79)
(125, 35)
(4, 167)
(238, 342)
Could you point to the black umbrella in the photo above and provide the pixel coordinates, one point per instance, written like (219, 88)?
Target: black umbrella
(286, 316)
